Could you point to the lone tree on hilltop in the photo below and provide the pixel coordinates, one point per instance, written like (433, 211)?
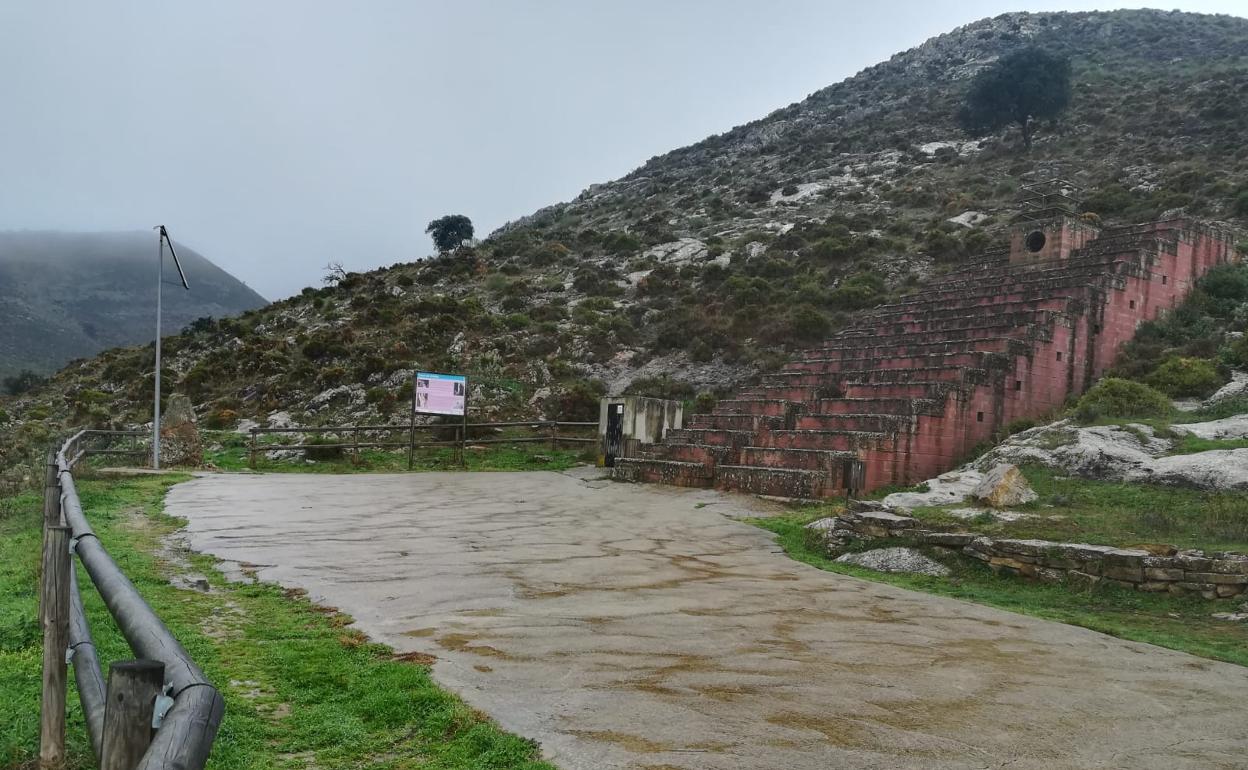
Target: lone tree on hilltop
(1022, 87)
(450, 231)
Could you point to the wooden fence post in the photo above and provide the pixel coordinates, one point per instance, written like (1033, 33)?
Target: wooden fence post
(251, 451)
(411, 446)
(52, 492)
(54, 618)
(133, 686)
(355, 445)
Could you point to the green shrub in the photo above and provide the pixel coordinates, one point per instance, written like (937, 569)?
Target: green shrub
(660, 387)
(516, 321)
(1185, 378)
(321, 448)
(578, 401)
(1117, 398)
(221, 419)
(23, 382)
(1019, 425)
(704, 403)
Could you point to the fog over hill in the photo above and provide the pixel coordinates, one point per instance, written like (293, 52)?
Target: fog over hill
(70, 295)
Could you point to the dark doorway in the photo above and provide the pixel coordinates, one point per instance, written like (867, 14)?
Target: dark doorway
(615, 434)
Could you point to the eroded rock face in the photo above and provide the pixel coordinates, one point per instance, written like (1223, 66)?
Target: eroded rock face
(1228, 428)
(1238, 386)
(895, 560)
(1004, 486)
(951, 487)
(1127, 453)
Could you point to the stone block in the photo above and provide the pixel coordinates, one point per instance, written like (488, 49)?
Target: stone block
(1121, 557)
(1050, 575)
(1230, 565)
(949, 539)
(1029, 547)
(1226, 590)
(1130, 584)
(1154, 587)
(1193, 563)
(975, 553)
(1215, 577)
(1163, 574)
(1123, 573)
(1207, 590)
(1006, 562)
(1079, 579)
(886, 520)
(1120, 583)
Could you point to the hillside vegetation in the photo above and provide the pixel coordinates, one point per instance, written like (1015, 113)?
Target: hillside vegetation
(713, 262)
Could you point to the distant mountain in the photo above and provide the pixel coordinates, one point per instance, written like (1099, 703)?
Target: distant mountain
(70, 295)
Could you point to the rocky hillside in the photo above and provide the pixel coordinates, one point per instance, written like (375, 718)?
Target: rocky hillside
(715, 261)
(70, 295)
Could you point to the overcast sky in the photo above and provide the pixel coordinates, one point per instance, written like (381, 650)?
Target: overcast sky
(274, 137)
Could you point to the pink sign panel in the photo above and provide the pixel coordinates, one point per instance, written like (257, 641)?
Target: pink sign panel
(441, 393)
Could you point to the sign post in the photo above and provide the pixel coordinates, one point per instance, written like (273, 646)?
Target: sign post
(442, 394)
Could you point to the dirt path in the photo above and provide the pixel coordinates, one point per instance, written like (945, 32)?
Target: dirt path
(627, 626)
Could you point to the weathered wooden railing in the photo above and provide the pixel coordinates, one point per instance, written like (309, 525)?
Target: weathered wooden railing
(349, 436)
(80, 445)
(156, 713)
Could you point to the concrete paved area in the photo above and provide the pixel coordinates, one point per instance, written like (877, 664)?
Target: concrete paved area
(628, 626)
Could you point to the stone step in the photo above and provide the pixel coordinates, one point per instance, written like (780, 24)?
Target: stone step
(764, 407)
(871, 422)
(815, 377)
(775, 482)
(883, 406)
(679, 474)
(935, 311)
(918, 374)
(746, 422)
(829, 440)
(704, 454)
(824, 460)
(709, 436)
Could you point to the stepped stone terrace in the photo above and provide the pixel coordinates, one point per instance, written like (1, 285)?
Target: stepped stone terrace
(906, 391)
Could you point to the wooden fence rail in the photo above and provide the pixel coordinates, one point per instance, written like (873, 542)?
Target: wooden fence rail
(545, 431)
(174, 722)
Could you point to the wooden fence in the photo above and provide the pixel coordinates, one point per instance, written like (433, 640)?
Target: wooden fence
(353, 438)
(157, 712)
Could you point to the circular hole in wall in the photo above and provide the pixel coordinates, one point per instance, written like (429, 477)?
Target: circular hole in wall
(1035, 241)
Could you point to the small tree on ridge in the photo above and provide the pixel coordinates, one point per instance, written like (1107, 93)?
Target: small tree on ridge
(450, 231)
(1022, 87)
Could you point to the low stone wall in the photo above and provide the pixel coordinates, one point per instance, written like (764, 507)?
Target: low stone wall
(1213, 575)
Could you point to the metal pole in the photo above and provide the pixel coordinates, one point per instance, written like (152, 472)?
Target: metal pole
(160, 280)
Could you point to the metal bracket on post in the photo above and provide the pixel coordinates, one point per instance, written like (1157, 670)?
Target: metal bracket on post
(163, 703)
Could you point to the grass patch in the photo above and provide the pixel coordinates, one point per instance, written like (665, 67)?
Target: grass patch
(1114, 513)
(229, 452)
(1228, 407)
(301, 689)
(1178, 623)
(1190, 445)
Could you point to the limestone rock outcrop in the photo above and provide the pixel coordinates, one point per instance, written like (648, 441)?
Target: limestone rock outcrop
(1004, 486)
(180, 443)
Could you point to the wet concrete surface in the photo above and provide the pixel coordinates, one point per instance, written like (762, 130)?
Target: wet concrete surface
(627, 626)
